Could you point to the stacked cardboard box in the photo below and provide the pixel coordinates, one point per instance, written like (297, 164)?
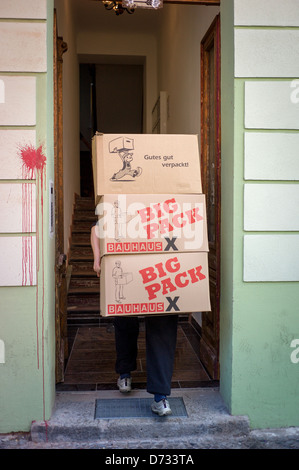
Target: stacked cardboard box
(152, 224)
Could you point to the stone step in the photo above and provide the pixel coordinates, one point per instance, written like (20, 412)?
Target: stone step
(207, 422)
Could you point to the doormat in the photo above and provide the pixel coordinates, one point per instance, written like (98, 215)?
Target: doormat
(135, 408)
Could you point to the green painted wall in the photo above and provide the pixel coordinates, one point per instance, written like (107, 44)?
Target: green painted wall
(265, 321)
(260, 319)
(21, 381)
(27, 377)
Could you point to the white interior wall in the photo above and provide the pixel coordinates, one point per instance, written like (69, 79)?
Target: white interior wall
(181, 31)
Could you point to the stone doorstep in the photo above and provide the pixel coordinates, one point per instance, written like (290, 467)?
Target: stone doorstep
(73, 419)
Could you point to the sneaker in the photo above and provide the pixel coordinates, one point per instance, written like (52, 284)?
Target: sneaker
(161, 407)
(124, 385)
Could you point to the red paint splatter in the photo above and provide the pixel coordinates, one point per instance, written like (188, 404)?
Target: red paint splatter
(32, 159)
(33, 167)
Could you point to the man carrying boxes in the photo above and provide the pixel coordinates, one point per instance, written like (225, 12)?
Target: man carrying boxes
(155, 264)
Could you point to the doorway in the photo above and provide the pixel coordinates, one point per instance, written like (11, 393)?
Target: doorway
(191, 331)
(111, 101)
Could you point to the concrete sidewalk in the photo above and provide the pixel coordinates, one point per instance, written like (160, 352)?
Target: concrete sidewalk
(207, 426)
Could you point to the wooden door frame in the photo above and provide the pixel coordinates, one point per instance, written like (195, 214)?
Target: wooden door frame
(209, 351)
(59, 48)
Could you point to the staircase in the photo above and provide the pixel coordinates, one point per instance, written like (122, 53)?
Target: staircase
(83, 301)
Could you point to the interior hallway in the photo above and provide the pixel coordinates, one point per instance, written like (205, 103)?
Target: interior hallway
(92, 358)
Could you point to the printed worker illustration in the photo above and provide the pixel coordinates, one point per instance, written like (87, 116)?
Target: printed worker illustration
(126, 157)
(119, 218)
(120, 279)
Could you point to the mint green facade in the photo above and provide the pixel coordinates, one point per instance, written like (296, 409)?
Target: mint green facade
(258, 317)
(27, 319)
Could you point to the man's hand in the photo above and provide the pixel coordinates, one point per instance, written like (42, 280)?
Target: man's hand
(95, 244)
(97, 267)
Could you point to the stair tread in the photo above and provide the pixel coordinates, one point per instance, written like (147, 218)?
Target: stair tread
(81, 243)
(90, 277)
(85, 274)
(80, 309)
(83, 290)
(82, 218)
(79, 229)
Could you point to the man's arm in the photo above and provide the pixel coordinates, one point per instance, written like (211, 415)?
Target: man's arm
(95, 244)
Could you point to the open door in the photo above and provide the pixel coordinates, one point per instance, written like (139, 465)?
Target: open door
(211, 180)
(60, 258)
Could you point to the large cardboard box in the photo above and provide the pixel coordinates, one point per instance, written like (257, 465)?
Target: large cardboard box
(152, 223)
(145, 164)
(154, 284)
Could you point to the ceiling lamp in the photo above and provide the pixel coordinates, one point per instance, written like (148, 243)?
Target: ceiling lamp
(152, 4)
(119, 6)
